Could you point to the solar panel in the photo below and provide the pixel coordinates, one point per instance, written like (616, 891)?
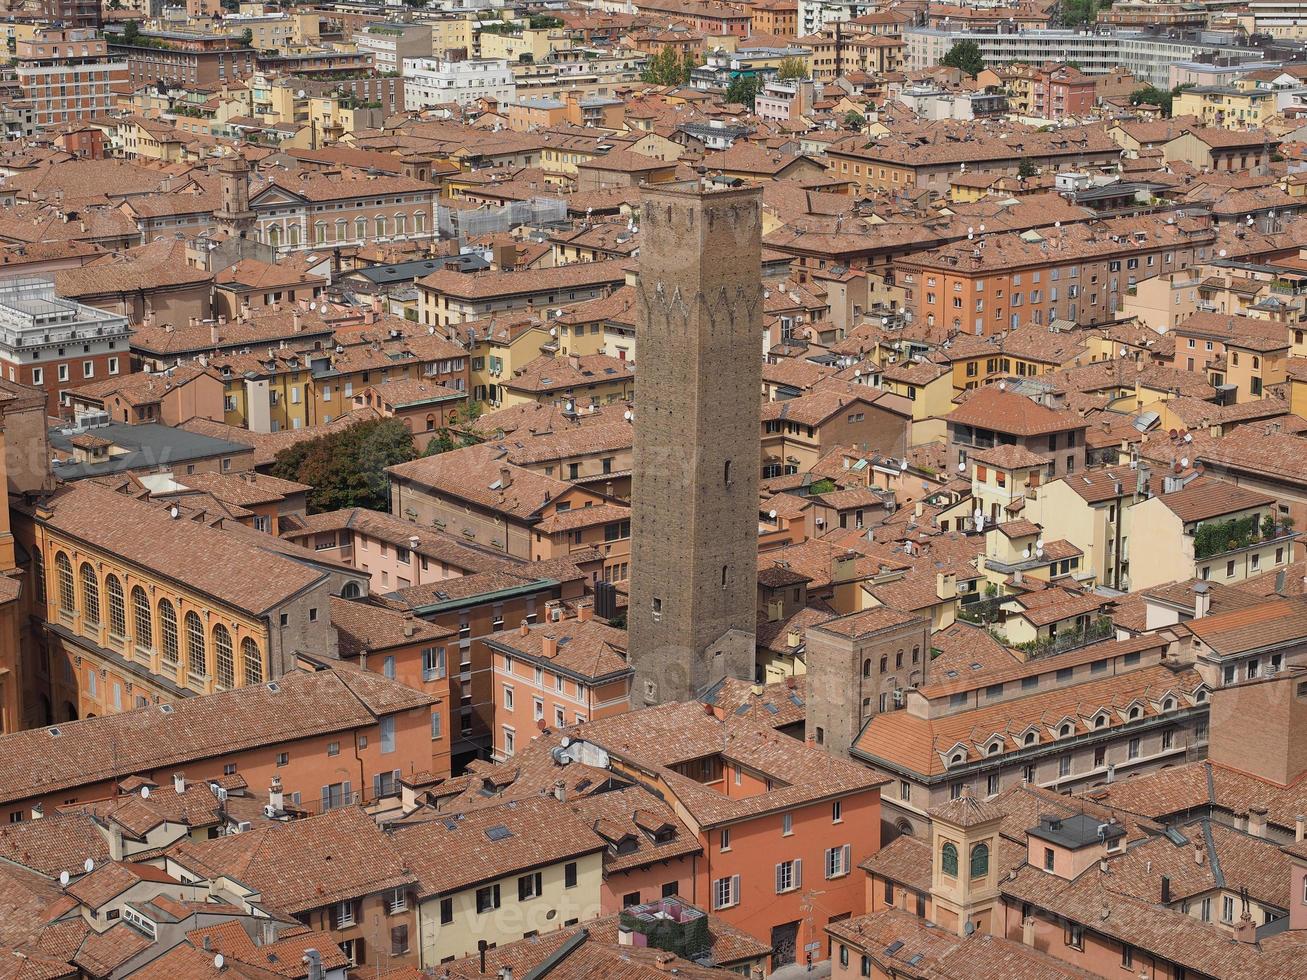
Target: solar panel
(498, 832)
(894, 947)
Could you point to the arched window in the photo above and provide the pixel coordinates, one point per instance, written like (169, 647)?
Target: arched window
(866, 667)
(196, 659)
(1065, 731)
(117, 607)
(1168, 704)
(1100, 721)
(142, 621)
(360, 228)
(294, 234)
(904, 828)
(381, 226)
(884, 664)
(1031, 738)
(948, 860)
(168, 632)
(419, 222)
(351, 591)
(1134, 714)
(320, 232)
(274, 235)
(342, 229)
(995, 748)
(980, 861)
(252, 661)
(401, 224)
(63, 569)
(1200, 697)
(224, 664)
(90, 596)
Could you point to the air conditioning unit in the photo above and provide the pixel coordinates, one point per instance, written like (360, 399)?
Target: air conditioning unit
(270, 811)
(898, 697)
(244, 826)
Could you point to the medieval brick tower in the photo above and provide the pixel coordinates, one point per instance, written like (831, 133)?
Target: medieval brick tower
(235, 216)
(694, 547)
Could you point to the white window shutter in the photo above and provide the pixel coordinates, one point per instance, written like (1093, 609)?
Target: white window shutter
(735, 889)
(848, 859)
(798, 872)
(780, 883)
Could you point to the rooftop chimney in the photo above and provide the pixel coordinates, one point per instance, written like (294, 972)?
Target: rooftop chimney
(1257, 820)
(178, 783)
(524, 628)
(505, 477)
(549, 647)
(276, 798)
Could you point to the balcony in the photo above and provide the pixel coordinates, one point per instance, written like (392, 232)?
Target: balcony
(1213, 540)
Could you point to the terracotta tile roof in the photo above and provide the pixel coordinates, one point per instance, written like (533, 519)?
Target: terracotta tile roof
(1266, 624)
(1206, 498)
(964, 648)
(1009, 412)
(141, 387)
(674, 733)
(775, 705)
(591, 950)
(869, 622)
(906, 860)
(922, 949)
(283, 957)
(205, 558)
(362, 626)
(919, 745)
(108, 881)
(1009, 457)
(1255, 450)
(474, 474)
(487, 285)
(590, 651)
(156, 266)
(492, 842)
(254, 274)
(817, 406)
(244, 489)
(405, 392)
(1095, 900)
(431, 543)
(37, 761)
(1052, 605)
(549, 373)
(634, 815)
(304, 864)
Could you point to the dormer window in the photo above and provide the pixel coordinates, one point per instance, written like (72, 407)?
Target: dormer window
(1030, 739)
(1100, 721)
(1066, 730)
(1168, 704)
(958, 758)
(994, 748)
(1133, 714)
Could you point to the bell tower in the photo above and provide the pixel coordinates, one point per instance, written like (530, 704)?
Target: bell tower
(963, 866)
(235, 216)
(694, 542)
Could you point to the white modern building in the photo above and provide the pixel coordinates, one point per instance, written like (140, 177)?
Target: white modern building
(433, 81)
(391, 44)
(816, 14)
(1148, 58)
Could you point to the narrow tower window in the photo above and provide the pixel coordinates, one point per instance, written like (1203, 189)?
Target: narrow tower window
(726, 473)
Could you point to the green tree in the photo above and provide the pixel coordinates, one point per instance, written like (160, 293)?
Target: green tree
(448, 437)
(743, 90)
(1077, 13)
(964, 55)
(1027, 168)
(854, 119)
(1152, 95)
(791, 69)
(131, 32)
(668, 68)
(247, 38)
(347, 468)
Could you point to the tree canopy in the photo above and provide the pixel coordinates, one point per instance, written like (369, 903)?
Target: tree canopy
(743, 90)
(346, 468)
(1152, 95)
(668, 68)
(446, 438)
(966, 56)
(854, 119)
(791, 69)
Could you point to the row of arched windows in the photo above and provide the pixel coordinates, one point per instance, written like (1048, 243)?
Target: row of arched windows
(381, 227)
(197, 641)
(948, 860)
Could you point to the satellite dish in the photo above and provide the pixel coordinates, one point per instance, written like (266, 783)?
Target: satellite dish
(962, 467)
(173, 512)
(568, 407)
(89, 865)
(64, 878)
(218, 962)
(313, 306)
(1002, 386)
(1184, 461)
(1039, 543)
(431, 330)
(145, 792)
(1039, 552)
(977, 514)
(1025, 553)
(771, 514)
(627, 415)
(553, 331)
(903, 465)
